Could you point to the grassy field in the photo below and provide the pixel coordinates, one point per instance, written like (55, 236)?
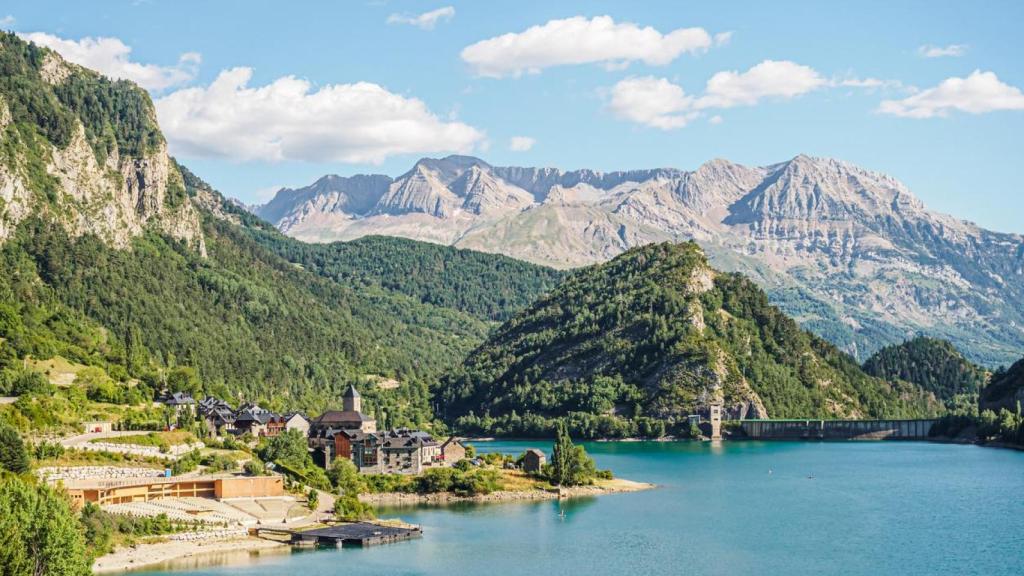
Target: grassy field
(58, 371)
(171, 438)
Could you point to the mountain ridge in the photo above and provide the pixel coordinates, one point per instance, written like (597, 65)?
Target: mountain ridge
(637, 344)
(873, 266)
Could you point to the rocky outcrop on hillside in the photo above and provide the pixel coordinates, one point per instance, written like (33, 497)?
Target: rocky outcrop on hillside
(851, 253)
(66, 162)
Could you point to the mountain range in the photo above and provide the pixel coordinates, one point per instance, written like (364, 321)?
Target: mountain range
(851, 253)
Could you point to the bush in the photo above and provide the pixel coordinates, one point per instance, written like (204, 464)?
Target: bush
(186, 463)
(46, 450)
(220, 463)
(255, 467)
(350, 509)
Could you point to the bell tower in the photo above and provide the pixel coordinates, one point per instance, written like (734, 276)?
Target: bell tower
(351, 401)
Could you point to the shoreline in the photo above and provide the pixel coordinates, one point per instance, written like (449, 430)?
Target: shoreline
(149, 555)
(603, 487)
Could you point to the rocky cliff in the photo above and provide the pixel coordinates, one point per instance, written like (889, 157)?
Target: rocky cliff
(86, 152)
(851, 253)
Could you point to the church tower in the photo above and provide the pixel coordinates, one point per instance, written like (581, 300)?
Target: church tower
(351, 401)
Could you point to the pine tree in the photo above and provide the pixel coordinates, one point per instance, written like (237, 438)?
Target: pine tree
(13, 455)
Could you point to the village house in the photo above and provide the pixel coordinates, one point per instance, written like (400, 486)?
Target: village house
(217, 414)
(352, 435)
(179, 401)
(533, 461)
(251, 419)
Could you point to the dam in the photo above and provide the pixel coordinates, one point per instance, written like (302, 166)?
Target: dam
(819, 429)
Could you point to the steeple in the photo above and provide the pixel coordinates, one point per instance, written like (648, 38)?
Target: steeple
(351, 401)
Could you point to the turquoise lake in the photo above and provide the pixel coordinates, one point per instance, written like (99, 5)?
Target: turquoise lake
(871, 508)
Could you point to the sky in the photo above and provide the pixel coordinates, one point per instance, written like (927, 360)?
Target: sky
(254, 96)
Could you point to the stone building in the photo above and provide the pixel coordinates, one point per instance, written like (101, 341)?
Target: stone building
(533, 461)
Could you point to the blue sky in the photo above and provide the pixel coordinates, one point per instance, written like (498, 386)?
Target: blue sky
(347, 87)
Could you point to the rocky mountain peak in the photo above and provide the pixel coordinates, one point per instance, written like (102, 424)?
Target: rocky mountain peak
(848, 250)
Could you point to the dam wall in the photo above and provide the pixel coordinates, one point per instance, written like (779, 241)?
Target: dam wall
(815, 429)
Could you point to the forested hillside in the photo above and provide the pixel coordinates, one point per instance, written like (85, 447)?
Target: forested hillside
(634, 345)
(935, 365)
(1005, 389)
(488, 286)
(113, 256)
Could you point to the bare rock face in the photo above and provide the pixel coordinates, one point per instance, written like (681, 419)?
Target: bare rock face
(116, 201)
(851, 253)
(116, 198)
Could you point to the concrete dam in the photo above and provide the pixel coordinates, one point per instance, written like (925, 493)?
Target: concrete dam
(817, 429)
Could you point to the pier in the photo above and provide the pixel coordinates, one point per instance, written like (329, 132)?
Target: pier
(358, 534)
(818, 429)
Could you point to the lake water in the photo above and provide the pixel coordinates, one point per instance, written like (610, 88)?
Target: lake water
(872, 508)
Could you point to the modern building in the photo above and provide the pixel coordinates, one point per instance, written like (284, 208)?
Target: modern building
(146, 489)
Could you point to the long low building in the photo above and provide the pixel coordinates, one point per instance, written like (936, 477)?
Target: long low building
(146, 489)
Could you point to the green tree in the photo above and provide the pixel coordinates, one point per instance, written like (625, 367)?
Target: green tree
(347, 507)
(312, 499)
(570, 464)
(13, 455)
(288, 448)
(41, 536)
(345, 476)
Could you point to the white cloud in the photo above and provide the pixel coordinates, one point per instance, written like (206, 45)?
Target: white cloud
(954, 50)
(111, 57)
(715, 120)
(651, 101)
(723, 38)
(771, 78)
(290, 120)
(521, 143)
(7, 21)
(579, 40)
(427, 20)
(659, 103)
(978, 93)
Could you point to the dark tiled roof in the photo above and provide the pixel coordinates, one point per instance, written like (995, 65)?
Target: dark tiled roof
(337, 416)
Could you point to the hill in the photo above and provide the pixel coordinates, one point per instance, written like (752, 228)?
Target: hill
(934, 365)
(112, 255)
(634, 345)
(490, 287)
(851, 254)
(1005, 389)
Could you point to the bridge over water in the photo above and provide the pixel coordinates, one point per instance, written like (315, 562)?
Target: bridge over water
(818, 429)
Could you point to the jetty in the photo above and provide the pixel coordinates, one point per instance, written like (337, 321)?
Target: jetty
(355, 534)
